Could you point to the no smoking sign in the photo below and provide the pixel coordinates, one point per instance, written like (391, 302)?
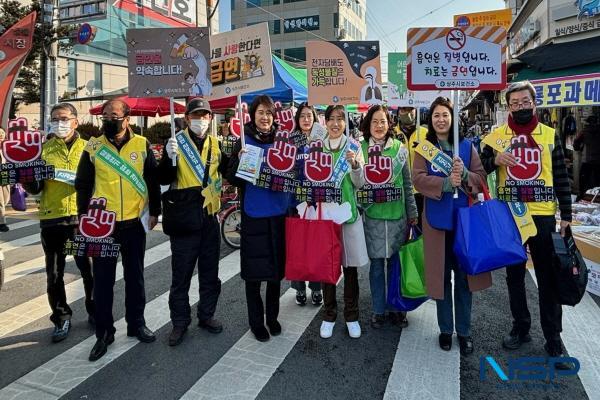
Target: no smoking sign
(456, 39)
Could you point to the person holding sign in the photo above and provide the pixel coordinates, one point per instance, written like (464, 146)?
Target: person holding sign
(262, 252)
(437, 175)
(531, 169)
(194, 230)
(348, 169)
(386, 223)
(58, 216)
(305, 120)
(120, 167)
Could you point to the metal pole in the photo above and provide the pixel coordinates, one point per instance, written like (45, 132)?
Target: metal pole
(347, 121)
(241, 117)
(172, 111)
(418, 122)
(455, 123)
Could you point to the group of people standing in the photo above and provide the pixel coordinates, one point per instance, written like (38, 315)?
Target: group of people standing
(370, 236)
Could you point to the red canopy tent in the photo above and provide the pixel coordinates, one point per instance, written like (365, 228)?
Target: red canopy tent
(145, 107)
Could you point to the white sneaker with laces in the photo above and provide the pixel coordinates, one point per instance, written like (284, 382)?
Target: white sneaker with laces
(353, 329)
(327, 329)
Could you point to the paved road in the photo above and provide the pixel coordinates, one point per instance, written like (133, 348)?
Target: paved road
(389, 363)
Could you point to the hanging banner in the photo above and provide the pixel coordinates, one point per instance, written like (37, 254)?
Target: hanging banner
(168, 62)
(501, 18)
(240, 61)
(15, 44)
(568, 91)
(176, 13)
(22, 149)
(456, 59)
(344, 72)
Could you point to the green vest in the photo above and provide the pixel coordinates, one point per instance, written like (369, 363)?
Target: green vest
(394, 209)
(348, 191)
(58, 199)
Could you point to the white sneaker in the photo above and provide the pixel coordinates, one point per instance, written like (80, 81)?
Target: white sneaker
(353, 329)
(327, 329)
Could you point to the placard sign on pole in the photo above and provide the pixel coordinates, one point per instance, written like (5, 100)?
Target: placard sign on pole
(341, 73)
(457, 59)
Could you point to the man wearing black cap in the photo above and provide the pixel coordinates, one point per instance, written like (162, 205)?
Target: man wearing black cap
(190, 220)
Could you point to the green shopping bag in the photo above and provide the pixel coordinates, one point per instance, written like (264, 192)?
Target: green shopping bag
(412, 265)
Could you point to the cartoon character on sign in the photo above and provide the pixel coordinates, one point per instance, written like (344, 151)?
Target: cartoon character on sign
(200, 85)
(282, 156)
(378, 170)
(318, 167)
(529, 159)
(252, 66)
(371, 93)
(21, 144)
(97, 223)
(284, 118)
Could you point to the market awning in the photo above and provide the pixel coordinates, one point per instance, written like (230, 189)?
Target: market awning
(556, 56)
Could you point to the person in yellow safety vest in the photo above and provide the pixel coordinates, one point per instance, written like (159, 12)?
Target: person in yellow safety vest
(406, 132)
(120, 167)
(58, 216)
(196, 240)
(532, 171)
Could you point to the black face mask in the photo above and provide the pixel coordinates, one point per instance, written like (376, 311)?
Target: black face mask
(112, 127)
(523, 116)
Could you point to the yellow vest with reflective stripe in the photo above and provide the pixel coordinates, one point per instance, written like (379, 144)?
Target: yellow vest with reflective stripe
(59, 199)
(121, 196)
(185, 174)
(544, 137)
(415, 137)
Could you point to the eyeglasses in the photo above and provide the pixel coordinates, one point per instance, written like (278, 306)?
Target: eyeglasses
(112, 118)
(518, 106)
(62, 119)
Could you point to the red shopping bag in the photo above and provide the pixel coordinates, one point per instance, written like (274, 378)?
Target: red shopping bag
(313, 250)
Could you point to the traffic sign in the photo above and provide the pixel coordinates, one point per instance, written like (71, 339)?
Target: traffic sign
(85, 34)
(456, 58)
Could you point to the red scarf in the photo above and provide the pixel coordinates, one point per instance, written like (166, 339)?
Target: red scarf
(526, 130)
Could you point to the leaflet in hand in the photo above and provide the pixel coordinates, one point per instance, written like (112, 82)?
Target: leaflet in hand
(250, 162)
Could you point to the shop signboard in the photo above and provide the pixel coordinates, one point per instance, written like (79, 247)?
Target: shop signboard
(501, 17)
(571, 91)
(457, 59)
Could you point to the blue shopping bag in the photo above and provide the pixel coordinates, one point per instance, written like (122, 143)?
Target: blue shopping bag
(487, 238)
(394, 295)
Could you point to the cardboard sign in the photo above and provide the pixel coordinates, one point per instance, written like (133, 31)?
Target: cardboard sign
(168, 62)
(95, 229)
(457, 59)
(240, 61)
(344, 72)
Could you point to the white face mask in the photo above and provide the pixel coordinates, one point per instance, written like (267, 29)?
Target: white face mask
(61, 128)
(199, 126)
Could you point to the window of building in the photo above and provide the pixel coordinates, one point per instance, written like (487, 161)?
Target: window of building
(72, 77)
(98, 76)
(291, 1)
(275, 27)
(261, 3)
(336, 20)
(295, 54)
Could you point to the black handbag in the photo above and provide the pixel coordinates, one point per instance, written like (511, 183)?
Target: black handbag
(570, 271)
(183, 209)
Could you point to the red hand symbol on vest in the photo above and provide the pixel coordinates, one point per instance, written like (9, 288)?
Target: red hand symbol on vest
(318, 167)
(282, 156)
(529, 159)
(378, 170)
(97, 223)
(21, 144)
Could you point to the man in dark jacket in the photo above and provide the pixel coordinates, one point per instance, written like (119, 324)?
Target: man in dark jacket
(588, 141)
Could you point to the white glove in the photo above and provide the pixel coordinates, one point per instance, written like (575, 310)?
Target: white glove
(172, 148)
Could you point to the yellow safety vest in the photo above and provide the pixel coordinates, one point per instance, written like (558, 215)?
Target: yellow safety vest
(415, 137)
(531, 181)
(59, 199)
(121, 196)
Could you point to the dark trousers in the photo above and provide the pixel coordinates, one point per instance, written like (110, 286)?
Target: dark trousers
(350, 297)
(256, 310)
(420, 200)
(133, 246)
(301, 285)
(53, 243)
(589, 177)
(201, 248)
(540, 248)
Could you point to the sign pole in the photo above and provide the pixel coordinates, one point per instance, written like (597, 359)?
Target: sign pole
(417, 108)
(347, 121)
(172, 111)
(455, 95)
(241, 117)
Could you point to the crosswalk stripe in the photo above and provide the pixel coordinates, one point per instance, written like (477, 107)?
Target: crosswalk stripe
(581, 325)
(23, 241)
(26, 268)
(25, 313)
(419, 361)
(247, 367)
(23, 224)
(67, 370)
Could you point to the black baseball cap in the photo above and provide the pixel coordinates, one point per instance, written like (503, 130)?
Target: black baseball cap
(197, 105)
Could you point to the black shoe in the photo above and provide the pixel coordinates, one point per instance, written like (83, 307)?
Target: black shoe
(4, 228)
(177, 334)
(61, 331)
(212, 325)
(466, 345)
(143, 334)
(274, 328)
(377, 321)
(515, 340)
(555, 350)
(446, 341)
(316, 297)
(301, 297)
(261, 334)
(100, 347)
